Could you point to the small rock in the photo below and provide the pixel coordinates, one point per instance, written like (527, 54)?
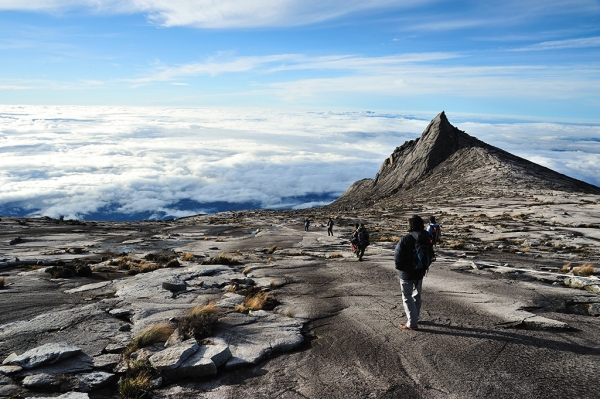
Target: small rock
(125, 327)
(40, 381)
(594, 309)
(174, 283)
(10, 369)
(4, 380)
(114, 348)
(47, 353)
(107, 361)
(68, 395)
(175, 339)
(9, 390)
(120, 313)
(173, 356)
(92, 381)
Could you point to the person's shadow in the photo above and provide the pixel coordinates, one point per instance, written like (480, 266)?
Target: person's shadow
(512, 337)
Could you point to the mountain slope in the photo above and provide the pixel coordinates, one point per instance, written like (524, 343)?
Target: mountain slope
(447, 161)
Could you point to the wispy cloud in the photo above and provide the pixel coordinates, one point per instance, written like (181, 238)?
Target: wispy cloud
(586, 42)
(218, 14)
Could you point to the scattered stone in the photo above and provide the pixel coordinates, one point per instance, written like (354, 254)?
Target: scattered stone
(174, 283)
(92, 381)
(68, 395)
(45, 354)
(9, 390)
(89, 287)
(120, 313)
(38, 381)
(115, 348)
(594, 309)
(173, 356)
(175, 339)
(107, 361)
(80, 363)
(4, 380)
(202, 363)
(231, 299)
(10, 369)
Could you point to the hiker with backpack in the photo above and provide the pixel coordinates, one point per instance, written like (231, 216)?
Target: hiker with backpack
(306, 224)
(434, 230)
(329, 227)
(412, 257)
(360, 240)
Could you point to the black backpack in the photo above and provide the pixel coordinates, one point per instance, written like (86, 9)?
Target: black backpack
(423, 253)
(363, 238)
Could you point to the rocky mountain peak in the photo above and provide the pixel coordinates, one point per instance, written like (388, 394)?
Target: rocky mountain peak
(450, 156)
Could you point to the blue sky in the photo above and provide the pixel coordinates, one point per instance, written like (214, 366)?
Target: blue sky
(531, 59)
(156, 108)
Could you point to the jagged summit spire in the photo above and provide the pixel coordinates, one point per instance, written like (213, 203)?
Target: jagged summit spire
(444, 150)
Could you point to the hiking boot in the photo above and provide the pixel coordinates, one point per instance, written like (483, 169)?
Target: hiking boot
(407, 328)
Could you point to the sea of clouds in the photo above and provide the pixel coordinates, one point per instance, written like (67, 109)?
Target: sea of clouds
(127, 163)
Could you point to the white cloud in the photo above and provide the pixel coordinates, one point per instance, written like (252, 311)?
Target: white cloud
(78, 160)
(586, 42)
(218, 14)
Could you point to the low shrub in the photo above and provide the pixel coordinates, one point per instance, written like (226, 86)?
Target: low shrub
(151, 335)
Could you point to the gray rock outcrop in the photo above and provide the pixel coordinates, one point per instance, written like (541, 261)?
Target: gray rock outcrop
(45, 354)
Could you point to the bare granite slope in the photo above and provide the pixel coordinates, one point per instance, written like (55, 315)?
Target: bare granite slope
(448, 161)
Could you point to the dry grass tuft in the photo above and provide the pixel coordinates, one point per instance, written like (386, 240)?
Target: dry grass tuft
(2, 282)
(199, 322)
(335, 256)
(457, 245)
(566, 268)
(187, 256)
(289, 313)
(272, 249)
(222, 259)
(151, 335)
(256, 300)
(137, 383)
(584, 270)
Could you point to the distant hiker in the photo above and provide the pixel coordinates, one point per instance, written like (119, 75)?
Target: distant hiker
(412, 257)
(306, 224)
(434, 230)
(360, 240)
(329, 227)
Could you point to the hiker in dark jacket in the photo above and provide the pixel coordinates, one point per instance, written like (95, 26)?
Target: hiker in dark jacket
(329, 227)
(360, 240)
(411, 280)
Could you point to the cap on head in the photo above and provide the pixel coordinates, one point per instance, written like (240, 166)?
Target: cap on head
(432, 219)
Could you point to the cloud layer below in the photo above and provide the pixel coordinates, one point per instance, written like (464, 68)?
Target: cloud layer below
(139, 163)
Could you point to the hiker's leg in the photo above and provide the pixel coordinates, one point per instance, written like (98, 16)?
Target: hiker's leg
(417, 291)
(409, 303)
